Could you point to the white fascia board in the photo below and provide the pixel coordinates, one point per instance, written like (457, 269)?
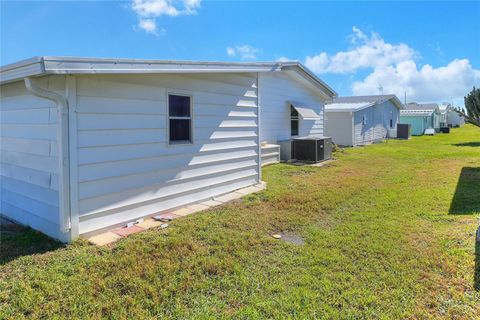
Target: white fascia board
(94, 66)
(76, 65)
(397, 103)
(310, 77)
(22, 69)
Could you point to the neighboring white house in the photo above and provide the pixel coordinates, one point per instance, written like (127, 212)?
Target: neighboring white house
(360, 120)
(443, 114)
(89, 144)
(449, 117)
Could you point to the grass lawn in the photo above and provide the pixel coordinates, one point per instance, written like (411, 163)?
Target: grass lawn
(389, 232)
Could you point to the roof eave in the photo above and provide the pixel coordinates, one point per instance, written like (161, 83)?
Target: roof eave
(310, 76)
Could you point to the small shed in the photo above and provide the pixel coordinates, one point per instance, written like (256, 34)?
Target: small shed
(421, 117)
(88, 144)
(361, 120)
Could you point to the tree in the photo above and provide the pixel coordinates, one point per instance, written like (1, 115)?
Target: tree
(472, 104)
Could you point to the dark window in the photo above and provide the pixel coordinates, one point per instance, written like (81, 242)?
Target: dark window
(293, 121)
(179, 117)
(391, 123)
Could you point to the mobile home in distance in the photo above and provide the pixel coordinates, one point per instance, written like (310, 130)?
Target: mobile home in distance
(421, 117)
(361, 120)
(91, 144)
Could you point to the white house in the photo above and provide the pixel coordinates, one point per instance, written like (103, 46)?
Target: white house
(361, 120)
(91, 144)
(454, 119)
(450, 116)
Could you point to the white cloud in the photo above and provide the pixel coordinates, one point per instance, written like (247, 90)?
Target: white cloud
(423, 84)
(394, 67)
(283, 59)
(149, 26)
(245, 52)
(148, 10)
(231, 52)
(369, 52)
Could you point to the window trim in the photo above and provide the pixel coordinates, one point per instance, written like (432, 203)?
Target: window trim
(297, 118)
(182, 94)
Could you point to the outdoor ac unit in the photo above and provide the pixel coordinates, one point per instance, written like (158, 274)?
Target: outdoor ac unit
(312, 149)
(403, 131)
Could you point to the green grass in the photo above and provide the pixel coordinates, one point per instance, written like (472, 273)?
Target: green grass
(389, 233)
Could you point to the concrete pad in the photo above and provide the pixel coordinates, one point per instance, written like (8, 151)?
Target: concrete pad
(190, 209)
(149, 223)
(104, 238)
(321, 164)
(198, 207)
(248, 190)
(212, 203)
(228, 197)
(126, 231)
(182, 212)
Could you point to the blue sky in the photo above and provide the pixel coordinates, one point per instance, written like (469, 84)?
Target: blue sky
(429, 49)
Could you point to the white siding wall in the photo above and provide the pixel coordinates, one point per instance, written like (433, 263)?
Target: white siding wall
(377, 122)
(29, 162)
(127, 170)
(338, 126)
(390, 112)
(275, 90)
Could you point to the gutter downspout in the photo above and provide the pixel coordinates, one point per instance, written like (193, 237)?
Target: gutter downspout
(63, 155)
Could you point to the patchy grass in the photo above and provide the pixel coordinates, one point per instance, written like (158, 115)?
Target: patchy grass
(388, 230)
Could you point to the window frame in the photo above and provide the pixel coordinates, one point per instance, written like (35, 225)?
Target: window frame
(292, 118)
(181, 94)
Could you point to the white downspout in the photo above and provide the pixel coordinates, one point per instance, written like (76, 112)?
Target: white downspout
(62, 141)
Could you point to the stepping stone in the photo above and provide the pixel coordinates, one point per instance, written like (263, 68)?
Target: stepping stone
(126, 231)
(149, 223)
(104, 238)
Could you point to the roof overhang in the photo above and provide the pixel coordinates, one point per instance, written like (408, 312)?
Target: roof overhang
(358, 106)
(39, 66)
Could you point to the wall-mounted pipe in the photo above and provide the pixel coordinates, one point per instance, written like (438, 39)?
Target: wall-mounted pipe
(63, 151)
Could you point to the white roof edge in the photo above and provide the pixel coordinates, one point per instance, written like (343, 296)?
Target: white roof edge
(394, 99)
(312, 77)
(353, 109)
(37, 66)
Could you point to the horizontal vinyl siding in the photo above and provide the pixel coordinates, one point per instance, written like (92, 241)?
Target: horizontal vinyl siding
(338, 126)
(127, 170)
(29, 156)
(275, 90)
(364, 132)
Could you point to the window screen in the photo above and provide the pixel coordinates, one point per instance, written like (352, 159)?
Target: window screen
(179, 117)
(293, 121)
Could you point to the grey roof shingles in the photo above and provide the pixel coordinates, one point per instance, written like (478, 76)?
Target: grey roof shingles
(423, 106)
(357, 99)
